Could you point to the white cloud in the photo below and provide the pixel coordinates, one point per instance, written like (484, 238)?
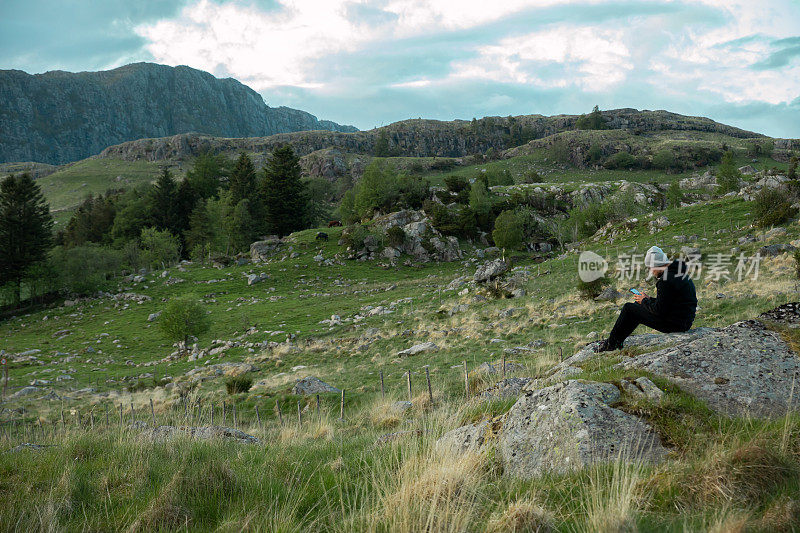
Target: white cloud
(588, 57)
(282, 47)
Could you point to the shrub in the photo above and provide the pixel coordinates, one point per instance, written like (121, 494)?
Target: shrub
(456, 184)
(728, 175)
(620, 160)
(674, 194)
(595, 154)
(792, 173)
(238, 384)
(593, 121)
(508, 231)
(771, 207)
(159, 247)
(531, 177)
(664, 159)
(182, 319)
(355, 235)
(395, 236)
(592, 289)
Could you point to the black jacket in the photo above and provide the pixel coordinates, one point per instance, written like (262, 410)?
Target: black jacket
(675, 301)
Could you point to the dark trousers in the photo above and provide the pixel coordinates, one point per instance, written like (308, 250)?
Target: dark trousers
(632, 315)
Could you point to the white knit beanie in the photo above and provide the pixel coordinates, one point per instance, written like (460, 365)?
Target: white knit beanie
(655, 258)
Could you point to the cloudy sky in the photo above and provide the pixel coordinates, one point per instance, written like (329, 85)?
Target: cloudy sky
(372, 62)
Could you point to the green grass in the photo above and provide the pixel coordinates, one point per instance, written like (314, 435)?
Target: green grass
(328, 475)
(68, 186)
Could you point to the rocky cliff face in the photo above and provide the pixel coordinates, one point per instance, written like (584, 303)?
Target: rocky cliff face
(419, 138)
(59, 117)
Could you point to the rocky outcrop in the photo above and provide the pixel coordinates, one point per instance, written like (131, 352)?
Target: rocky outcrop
(59, 116)
(421, 138)
(264, 250)
(743, 369)
(571, 425)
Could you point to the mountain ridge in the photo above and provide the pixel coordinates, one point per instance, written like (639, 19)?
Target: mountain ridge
(58, 116)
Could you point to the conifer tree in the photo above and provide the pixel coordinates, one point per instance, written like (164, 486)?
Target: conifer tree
(285, 196)
(242, 181)
(25, 230)
(163, 205)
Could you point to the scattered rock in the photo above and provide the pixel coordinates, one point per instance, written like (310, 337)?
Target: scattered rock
(491, 270)
(312, 385)
(201, 433)
(252, 279)
(771, 250)
(25, 391)
(152, 317)
(609, 294)
(419, 348)
(264, 250)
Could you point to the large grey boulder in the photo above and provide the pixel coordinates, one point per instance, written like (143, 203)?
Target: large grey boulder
(570, 425)
(469, 438)
(743, 369)
(491, 270)
(312, 385)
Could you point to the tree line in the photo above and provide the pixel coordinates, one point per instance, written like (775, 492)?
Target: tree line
(217, 210)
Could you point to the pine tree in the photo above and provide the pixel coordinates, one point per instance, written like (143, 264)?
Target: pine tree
(200, 231)
(285, 196)
(206, 174)
(163, 205)
(242, 181)
(25, 230)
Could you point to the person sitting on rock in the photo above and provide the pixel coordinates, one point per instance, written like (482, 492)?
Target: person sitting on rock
(673, 308)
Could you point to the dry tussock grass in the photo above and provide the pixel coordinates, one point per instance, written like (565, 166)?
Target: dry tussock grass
(522, 515)
(432, 493)
(610, 499)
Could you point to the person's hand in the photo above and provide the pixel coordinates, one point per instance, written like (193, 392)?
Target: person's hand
(639, 297)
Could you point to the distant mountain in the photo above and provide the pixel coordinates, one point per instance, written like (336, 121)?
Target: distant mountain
(58, 117)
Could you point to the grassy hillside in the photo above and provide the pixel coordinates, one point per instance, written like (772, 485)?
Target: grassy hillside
(325, 474)
(68, 186)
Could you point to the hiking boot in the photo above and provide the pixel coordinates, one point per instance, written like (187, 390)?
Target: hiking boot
(608, 345)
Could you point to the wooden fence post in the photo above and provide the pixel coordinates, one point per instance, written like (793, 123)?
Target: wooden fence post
(503, 362)
(299, 414)
(280, 413)
(106, 406)
(428, 379)
(152, 412)
(383, 390)
(341, 407)
(319, 414)
(408, 379)
(466, 380)
(258, 416)
(234, 416)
